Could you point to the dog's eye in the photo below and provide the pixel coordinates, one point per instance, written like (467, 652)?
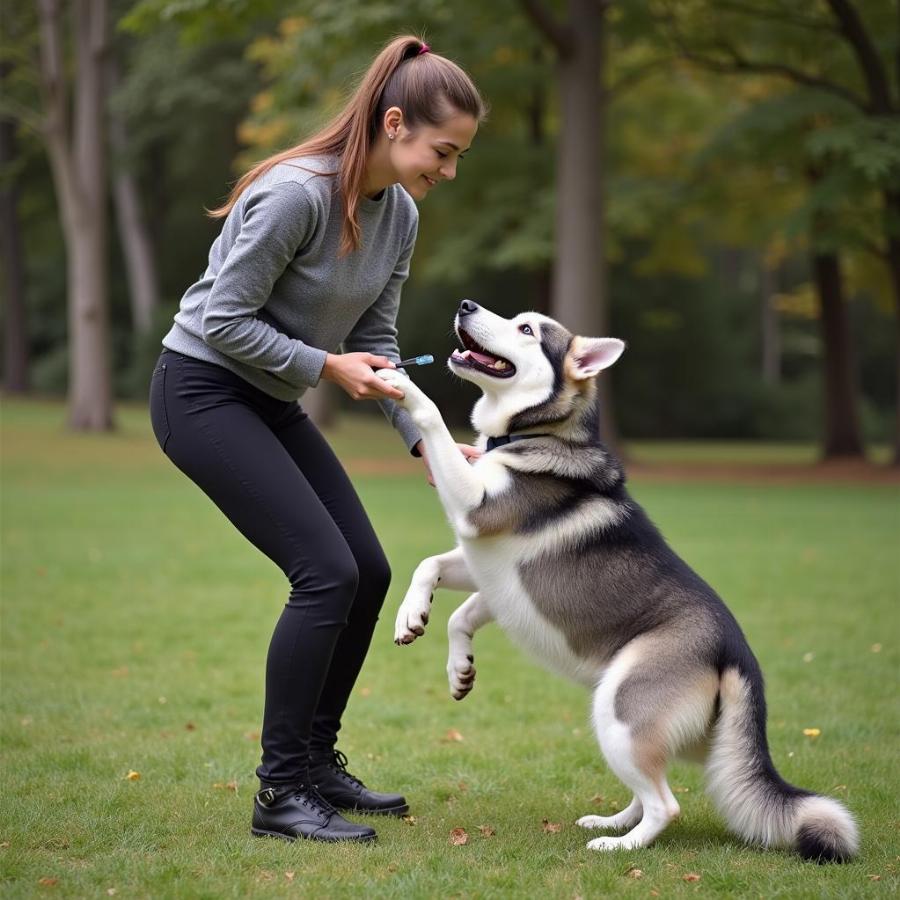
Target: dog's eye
(525, 329)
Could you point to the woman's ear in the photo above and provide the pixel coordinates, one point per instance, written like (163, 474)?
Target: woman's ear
(393, 122)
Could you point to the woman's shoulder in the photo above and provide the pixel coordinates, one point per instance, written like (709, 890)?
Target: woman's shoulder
(312, 176)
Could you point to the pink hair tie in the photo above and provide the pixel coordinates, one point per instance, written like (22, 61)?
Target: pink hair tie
(423, 49)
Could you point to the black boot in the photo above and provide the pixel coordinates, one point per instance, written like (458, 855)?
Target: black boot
(299, 811)
(345, 791)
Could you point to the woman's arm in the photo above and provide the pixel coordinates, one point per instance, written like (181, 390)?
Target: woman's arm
(376, 332)
(277, 220)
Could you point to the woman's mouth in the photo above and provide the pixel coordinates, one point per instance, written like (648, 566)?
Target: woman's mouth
(431, 181)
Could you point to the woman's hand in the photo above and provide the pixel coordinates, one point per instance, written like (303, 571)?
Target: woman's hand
(471, 453)
(354, 372)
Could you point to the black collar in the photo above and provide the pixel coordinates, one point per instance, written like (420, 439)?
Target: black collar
(504, 439)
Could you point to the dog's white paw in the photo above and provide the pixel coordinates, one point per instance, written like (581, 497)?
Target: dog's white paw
(412, 617)
(421, 407)
(600, 822)
(613, 843)
(461, 675)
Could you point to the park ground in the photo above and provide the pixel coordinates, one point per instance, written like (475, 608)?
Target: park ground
(135, 626)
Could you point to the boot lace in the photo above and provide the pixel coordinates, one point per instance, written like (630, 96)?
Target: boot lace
(339, 762)
(309, 793)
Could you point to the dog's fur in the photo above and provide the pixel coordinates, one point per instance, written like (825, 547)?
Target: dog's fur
(556, 552)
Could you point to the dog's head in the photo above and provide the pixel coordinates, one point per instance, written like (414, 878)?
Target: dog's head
(533, 373)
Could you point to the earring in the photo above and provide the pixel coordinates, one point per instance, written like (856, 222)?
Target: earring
(392, 136)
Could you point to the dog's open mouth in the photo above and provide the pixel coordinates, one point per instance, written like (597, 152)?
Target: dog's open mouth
(477, 357)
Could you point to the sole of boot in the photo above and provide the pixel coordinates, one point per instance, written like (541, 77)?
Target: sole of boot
(259, 832)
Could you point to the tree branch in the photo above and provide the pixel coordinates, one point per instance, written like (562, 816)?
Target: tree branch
(558, 34)
(773, 16)
(638, 74)
(853, 29)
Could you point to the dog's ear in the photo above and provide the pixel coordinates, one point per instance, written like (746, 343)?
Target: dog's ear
(588, 356)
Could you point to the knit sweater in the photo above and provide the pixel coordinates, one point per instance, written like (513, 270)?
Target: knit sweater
(277, 297)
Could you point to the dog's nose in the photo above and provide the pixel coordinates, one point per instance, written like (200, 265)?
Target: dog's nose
(467, 307)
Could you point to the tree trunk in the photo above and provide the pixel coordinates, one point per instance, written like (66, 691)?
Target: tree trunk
(15, 332)
(579, 275)
(771, 335)
(78, 162)
(892, 222)
(134, 236)
(321, 402)
(842, 433)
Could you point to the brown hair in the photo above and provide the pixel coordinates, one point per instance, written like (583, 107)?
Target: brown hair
(427, 88)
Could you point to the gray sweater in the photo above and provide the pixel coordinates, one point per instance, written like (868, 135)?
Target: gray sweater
(276, 297)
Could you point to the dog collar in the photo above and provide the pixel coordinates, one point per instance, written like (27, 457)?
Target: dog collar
(504, 439)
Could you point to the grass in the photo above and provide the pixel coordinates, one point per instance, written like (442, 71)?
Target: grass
(135, 626)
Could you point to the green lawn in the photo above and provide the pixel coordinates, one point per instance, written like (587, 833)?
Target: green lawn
(134, 632)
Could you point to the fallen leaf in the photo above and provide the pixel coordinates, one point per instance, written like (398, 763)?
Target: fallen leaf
(691, 876)
(111, 892)
(463, 786)
(875, 648)
(634, 872)
(682, 790)
(163, 700)
(453, 735)
(550, 827)
(4, 845)
(190, 726)
(251, 735)
(410, 820)
(486, 830)
(366, 691)
(133, 776)
(121, 672)
(289, 876)
(597, 799)
(812, 732)
(47, 881)
(27, 720)
(808, 657)
(458, 837)
(874, 877)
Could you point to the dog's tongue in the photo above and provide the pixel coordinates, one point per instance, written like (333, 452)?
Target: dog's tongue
(483, 358)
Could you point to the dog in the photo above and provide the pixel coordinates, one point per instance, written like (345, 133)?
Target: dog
(555, 551)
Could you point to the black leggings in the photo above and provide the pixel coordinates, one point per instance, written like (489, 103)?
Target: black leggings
(267, 467)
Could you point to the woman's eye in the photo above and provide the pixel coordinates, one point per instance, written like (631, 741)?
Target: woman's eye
(441, 155)
(525, 329)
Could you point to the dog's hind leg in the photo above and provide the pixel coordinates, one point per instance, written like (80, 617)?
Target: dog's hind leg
(649, 703)
(463, 624)
(447, 570)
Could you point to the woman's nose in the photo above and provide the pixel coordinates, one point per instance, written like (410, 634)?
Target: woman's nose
(448, 171)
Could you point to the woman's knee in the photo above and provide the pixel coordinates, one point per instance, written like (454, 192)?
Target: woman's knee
(374, 575)
(335, 574)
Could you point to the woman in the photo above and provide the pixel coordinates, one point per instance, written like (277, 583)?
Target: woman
(314, 248)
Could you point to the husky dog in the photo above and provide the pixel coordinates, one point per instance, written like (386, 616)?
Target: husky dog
(556, 552)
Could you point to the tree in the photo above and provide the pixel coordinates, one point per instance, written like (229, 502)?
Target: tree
(76, 145)
(852, 144)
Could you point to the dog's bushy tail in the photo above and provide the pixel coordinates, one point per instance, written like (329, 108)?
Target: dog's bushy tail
(756, 802)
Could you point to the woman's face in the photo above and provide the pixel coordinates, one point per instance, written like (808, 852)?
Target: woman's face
(428, 154)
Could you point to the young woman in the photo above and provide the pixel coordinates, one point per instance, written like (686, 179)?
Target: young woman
(315, 246)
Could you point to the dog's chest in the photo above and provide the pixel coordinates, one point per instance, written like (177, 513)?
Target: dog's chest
(493, 564)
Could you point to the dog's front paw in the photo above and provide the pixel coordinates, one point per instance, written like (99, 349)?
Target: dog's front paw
(412, 617)
(421, 407)
(461, 675)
